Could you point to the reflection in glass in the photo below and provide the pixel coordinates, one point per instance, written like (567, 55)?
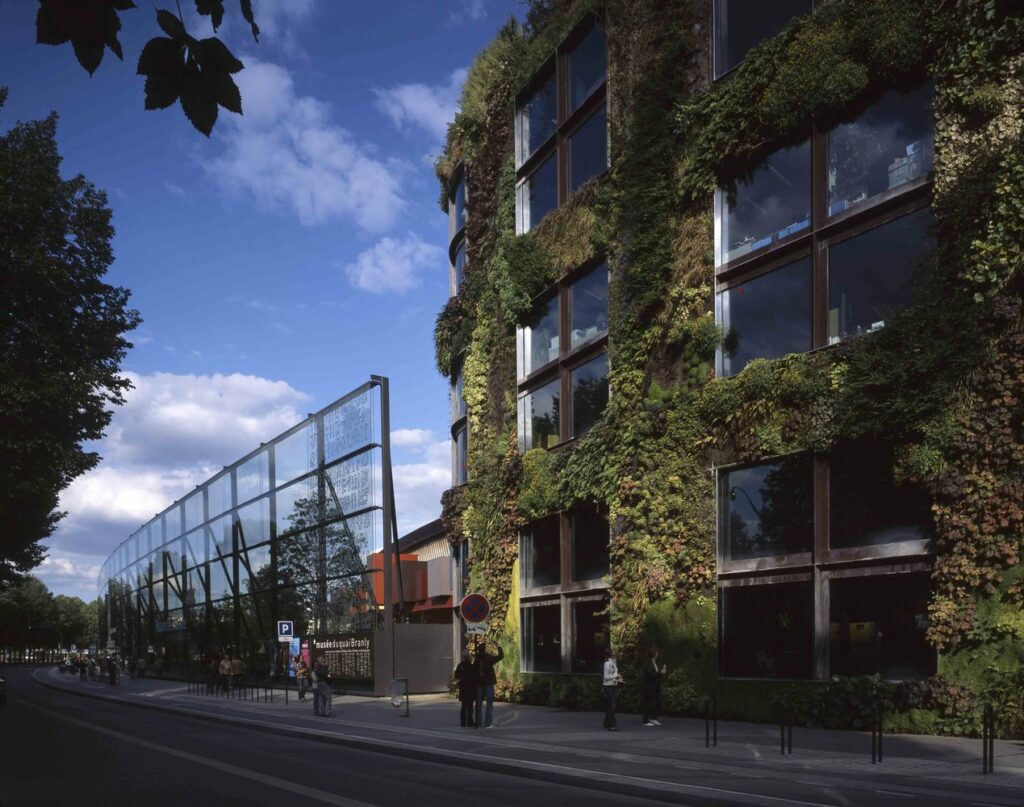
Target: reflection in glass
(541, 555)
(590, 536)
(536, 121)
(458, 399)
(538, 195)
(767, 630)
(221, 536)
(887, 146)
(254, 572)
(591, 634)
(252, 478)
(588, 307)
(742, 24)
(878, 626)
(874, 275)
(589, 384)
(538, 417)
(195, 586)
(768, 509)
(350, 486)
(588, 149)
(254, 522)
(538, 339)
(221, 572)
(193, 511)
(459, 204)
(767, 317)
(774, 203)
(461, 471)
(349, 426)
(542, 638)
(218, 495)
(297, 506)
(195, 547)
(867, 506)
(295, 455)
(587, 67)
(460, 264)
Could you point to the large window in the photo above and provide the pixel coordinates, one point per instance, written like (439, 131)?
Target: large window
(808, 258)
(561, 357)
(767, 630)
(461, 455)
(561, 126)
(741, 24)
(457, 227)
(562, 560)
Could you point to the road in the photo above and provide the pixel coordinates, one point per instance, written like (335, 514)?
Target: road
(65, 750)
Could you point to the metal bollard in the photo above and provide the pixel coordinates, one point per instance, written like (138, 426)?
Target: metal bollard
(988, 732)
(877, 730)
(711, 721)
(786, 733)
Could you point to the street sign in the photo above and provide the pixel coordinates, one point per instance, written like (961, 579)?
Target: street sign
(476, 629)
(474, 608)
(285, 630)
(74, 648)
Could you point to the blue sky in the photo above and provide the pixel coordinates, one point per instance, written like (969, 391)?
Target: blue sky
(277, 264)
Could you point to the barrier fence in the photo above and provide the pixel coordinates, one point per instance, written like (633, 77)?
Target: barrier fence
(22, 655)
(257, 692)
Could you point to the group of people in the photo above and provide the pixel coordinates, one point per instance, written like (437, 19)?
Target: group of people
(318, 679)
(476, 679)
(651, 675)
(225, 672)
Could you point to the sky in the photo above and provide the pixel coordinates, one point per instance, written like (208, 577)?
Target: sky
(276, 265)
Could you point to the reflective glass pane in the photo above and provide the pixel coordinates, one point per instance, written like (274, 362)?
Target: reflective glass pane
(348, 543)
(253, 477)
(772, 204)
(538, 339)
(195, 586)
(459, 204)
(221, 572)
(542, 638)
(537, 119)
(458, 398)
(590, 536)
(874, 275)
(590, 634)
(741, 24)
(254, 572)
(541, 557)
(768, 509)
(587, 66)
(351, 485)
(588, 149)
(767, 317)
(297, 506)
(588, 307)
(461, 475)
(538, 417)
(767, 631)
(867, 506)
(254, 522)
(887, 146)
(298, 557)
(218, 495)
(221, 539)
(193, 506)
(172, 522)
(589, 393)
(878, 626)
(349, 426)
(195, 547)
(538, 195)
(295, 455)
(460, 264)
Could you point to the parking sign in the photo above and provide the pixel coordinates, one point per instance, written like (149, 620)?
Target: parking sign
(284, 630)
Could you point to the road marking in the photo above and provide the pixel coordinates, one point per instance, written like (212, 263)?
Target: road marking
(897, 793)
(292, 787)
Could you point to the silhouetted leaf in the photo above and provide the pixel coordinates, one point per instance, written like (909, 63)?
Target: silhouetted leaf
(91, 27)
(198, 98)
(89, 54)
(214, 9)
(247, 14)
(214, 55)
(228, 95)
(162, 61)
(171, 25)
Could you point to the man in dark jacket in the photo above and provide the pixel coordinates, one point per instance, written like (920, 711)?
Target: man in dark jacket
(486, 680)
(322, 698)
(465, 675)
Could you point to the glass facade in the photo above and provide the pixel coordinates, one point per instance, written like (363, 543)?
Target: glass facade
(266, 539)
(742, 24)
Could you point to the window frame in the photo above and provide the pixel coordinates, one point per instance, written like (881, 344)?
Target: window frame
(714, 26)
(457, 233)
(567, 120)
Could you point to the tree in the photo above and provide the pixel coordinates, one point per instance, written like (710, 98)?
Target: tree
(22, 605)
(61, 336)
(177, 67)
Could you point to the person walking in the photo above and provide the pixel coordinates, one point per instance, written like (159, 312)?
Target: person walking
(486, 679)
(323, 705)
(83, 668)
(465, 674)
(140, 667)
(237, 671)
(651, 675)
(302, 677)
(610, 680)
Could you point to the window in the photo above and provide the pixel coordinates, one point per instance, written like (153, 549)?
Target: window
(457, 228)
(877, 626)
(461, 447)
(767, 630)
(458, 399)
(806, 259)
(542, 638)
(540, 557)
(766, 317)
(561, 126)
(561, 357)
(767, 509)
(590, 536)
(460, 264)
(741, 24)
(590, 635)
(459, 202)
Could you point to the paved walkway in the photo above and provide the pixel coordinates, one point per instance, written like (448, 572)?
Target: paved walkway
(669, 762)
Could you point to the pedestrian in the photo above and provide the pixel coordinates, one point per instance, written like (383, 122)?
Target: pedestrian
(465, 674)
(237, 671)
(224, 672)
(611, 680)
(112, 671)
(140, 666)
(651, 675)
(486, 679)
(211, 676)
(322, 699)
(302, 677)
(83, 668)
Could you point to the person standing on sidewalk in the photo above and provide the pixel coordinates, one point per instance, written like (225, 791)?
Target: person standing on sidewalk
(651, 675)
(486, 679)
(611, 680)
(322, 701)
(302, 677)
(465, 674)
(224, 672)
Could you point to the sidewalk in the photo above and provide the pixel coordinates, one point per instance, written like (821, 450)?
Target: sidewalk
(669, 762)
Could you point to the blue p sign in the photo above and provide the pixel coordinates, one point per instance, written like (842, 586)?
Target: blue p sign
(284, 629)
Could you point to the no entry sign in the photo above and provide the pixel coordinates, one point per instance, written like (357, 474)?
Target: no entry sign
(474, 608)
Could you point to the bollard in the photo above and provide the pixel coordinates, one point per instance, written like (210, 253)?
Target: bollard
(786, 735)
(711, 721)
(988, 731)
(877, 729)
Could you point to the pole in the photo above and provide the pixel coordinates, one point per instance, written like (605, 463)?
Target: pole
(388, 517)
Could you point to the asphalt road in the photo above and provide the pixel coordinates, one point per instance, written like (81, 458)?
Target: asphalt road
(58, 749)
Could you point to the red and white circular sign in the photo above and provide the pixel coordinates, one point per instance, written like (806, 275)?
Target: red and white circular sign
(474, 608)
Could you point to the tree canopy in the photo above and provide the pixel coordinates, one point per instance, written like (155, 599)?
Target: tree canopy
(31, 616)
(62, 336)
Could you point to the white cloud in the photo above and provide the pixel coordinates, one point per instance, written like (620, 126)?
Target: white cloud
(393, 264)
(70, 573)
(473, 10)
(428, 107)
(411, 438)
(288, 153)
(420, 482)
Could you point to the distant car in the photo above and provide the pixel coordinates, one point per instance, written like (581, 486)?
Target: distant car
(3, 692)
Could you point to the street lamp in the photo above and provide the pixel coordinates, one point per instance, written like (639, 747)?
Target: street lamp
(60, 636)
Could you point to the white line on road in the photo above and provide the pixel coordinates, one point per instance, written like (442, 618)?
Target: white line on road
(292, 787)
(897, 793)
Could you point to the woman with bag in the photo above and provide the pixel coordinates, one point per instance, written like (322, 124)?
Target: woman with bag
(611, 681)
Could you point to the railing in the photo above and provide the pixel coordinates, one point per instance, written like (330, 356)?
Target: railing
(255, 691)
(23, 655)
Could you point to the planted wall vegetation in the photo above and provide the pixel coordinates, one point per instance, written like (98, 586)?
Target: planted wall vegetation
(799, 407)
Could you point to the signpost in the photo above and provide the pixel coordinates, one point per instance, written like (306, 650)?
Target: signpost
(285, 634)
(474, 608)
(285, 630)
